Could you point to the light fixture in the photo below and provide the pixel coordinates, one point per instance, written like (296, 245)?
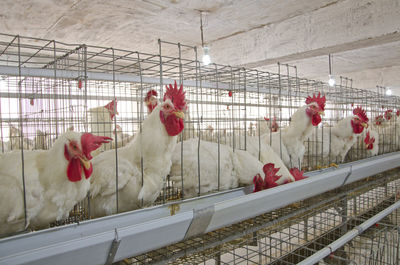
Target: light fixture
(206, 56)
(331, 80)
(206, 49)
(388, 92)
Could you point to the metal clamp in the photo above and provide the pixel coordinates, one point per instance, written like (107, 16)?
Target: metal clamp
(348, 175)
(201, 220)
(113, 249)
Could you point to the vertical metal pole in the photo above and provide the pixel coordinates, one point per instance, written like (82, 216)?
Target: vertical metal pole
(280, 110)
(181, 135)
(116, 152)
(85, 95)
(258, 116)
(161, 70)
(141, 118)
(22, 131)
(218, 119)
(232, 86)
(245, 108)
(55, 87)
(198, 71)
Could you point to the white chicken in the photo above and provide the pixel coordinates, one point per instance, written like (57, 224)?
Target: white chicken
(288, 143)
(41, 140)
(15, 140)
(370, 141)
(338, 139)
(153, 147)
(101, 121)
(122, 138)
(234, 168)
(55, 180)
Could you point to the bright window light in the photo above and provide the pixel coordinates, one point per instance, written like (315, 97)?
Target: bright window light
(388, 92)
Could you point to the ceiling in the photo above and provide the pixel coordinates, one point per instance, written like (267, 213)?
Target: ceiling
(229, 26)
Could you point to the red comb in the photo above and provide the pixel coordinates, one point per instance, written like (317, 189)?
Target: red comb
(319, 100)
(177, 96)
(258, 183)
(388, 114)
(91, 142)
(369, 141)
(270, 175)
(378, 120)
(149, 94)
(297, 174)
(361, 114)
(112, 108)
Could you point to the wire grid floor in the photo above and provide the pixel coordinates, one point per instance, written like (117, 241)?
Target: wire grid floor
(287, 235)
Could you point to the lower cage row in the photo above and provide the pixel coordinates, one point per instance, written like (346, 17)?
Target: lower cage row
(291, 234)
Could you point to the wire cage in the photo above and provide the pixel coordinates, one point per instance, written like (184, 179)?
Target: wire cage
(294, 233)
(49, 88)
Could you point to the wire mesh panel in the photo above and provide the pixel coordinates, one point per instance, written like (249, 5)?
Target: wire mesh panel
(49, 88)
(291, 234)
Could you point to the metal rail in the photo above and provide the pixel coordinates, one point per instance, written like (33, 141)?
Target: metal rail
(349, 235)
(105, 76)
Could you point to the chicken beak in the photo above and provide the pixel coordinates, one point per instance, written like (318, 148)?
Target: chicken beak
(321, 113)
(179, 114)
(85, 163)
(365, 125)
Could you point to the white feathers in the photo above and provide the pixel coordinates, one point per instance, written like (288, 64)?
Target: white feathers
(220, 167)
(49, 194)
(154, 146)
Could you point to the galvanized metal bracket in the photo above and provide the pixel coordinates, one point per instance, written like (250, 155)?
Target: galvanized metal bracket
(201, 220)
(348, 175)
(113, 249)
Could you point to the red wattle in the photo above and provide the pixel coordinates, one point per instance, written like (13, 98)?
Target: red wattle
(314, 116)
(172, 124)
(357, 127)
(74, 170)
(88, 172)
(316, 119)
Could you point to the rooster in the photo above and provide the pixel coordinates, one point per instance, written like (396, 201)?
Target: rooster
(288, 143)
(274, 125)
(369, 141)
(233, 167)
(153, 146)
(151, 100)
(388, 114)
(15, 140)
(379, 120)
(101, 121)
(41, 140)
(338, 139)
(55, 180)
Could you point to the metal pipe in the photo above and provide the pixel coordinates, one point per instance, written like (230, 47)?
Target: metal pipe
(349, 236)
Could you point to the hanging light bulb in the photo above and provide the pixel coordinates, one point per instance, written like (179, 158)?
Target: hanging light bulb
(206, 56)
(331, 81)
(388, 92)
(206, 50)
